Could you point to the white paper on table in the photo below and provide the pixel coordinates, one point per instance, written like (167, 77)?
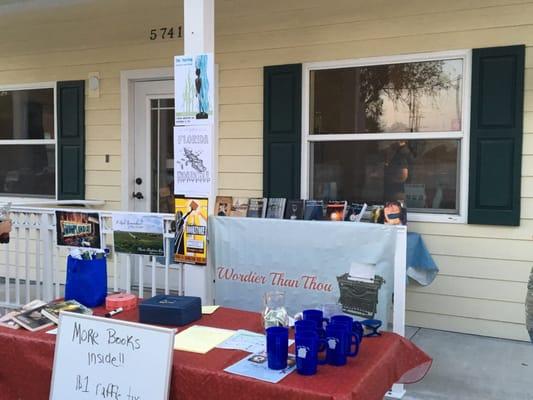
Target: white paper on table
(52, 331)
(200, 339)
(209, 309)
(256, 366)
(244, 340)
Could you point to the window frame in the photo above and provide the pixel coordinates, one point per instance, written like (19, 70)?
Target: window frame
(29, 86)
(463, 135)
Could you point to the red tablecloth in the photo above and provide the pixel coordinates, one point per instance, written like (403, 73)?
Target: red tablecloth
(26, 360)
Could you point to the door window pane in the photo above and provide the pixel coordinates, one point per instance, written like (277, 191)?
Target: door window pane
(162, 138)
(27, 170)
(27, 114)
(406, 97)
(424, 173)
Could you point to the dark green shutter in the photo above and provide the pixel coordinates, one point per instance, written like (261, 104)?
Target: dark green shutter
(71, 140)
(496, 135)
(282, 120)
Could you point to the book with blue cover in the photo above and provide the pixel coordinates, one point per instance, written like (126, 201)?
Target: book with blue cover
(314, 210)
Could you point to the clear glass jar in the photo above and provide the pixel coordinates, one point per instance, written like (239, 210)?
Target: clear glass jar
(275, 313)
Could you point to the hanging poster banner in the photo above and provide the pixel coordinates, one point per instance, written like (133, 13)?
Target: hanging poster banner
(317, 264)
(191, 231)
(192, 160)
(138, 234)
(194, 89)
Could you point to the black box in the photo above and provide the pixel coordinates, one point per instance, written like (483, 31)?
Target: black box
(170, 310)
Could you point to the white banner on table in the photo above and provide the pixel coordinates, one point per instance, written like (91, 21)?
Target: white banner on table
(192, 158)
(194, 89)
(309, 260)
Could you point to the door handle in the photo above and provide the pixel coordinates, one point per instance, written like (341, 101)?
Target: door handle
(138, 195)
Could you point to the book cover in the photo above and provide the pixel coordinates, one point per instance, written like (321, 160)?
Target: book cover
(52, 310)
(257, 208)
(191, 230)
(239, 207)
(256, 366)
(314, 210)
(7, 320)
(294, 209)
(276, 207)
(335, 210)
(33, 320)
(223, 206)
(355, 212)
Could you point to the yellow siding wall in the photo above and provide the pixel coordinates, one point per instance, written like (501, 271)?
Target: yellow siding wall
(67, 43)
(481, 287)
(483, 270)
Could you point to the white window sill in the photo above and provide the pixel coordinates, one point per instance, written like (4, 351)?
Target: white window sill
(437, 218)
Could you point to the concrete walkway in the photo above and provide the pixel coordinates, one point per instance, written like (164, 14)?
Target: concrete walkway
(468, 367)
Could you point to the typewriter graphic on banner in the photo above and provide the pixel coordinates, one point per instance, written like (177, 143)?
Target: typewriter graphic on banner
(359, 290)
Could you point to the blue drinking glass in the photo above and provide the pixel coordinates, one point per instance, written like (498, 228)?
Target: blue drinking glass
(277, 341)
(315, 315)
(307, 345)
(354, 327)
(338, 341)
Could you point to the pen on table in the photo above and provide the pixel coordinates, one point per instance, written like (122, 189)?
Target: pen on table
(113, 312)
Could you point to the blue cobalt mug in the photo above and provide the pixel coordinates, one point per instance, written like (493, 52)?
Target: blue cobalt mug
(277, 344)
(339, 341)
(353, 326)
(315, 315)
(304, 324)
(306, 344)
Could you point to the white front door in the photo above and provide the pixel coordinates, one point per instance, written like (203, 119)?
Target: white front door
(153, 159)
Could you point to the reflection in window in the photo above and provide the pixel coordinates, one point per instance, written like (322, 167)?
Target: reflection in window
(27, 170)
(28, 151)
(423, 173)
(404, 97)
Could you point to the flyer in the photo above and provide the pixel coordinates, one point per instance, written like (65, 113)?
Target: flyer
(138, 234)
(78, 229)
(194, 89)
(191, 230)
(192, 160)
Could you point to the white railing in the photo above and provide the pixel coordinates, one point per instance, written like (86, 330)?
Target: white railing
(33, 266)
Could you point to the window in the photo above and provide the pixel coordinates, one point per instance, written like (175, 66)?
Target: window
(389, 129)
(27, 142)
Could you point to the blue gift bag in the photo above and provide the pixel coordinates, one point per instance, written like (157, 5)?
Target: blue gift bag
(86, 281)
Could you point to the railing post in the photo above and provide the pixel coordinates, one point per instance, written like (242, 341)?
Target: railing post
(48, 273)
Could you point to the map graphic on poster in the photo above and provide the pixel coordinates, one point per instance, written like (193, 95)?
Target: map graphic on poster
(192, 160)
(138, 234)
(194, 89)
(191, 231)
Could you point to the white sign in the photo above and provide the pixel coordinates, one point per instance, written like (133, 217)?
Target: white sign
(192, 160)
(194, 89)
(100, 358)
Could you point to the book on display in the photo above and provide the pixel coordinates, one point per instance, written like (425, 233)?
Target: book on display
(276, 208)
(257, 208)
(294, 209)
(314, 210)
(335, 210)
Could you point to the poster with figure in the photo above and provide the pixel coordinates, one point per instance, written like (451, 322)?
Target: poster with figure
(192, 160)
(194, 89)
(190, 244)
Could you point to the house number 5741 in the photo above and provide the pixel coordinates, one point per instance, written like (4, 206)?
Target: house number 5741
(165, 33)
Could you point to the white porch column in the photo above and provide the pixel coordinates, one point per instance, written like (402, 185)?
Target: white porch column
(199, 37)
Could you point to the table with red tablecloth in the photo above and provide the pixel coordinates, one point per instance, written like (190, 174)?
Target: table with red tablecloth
(26, 360)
